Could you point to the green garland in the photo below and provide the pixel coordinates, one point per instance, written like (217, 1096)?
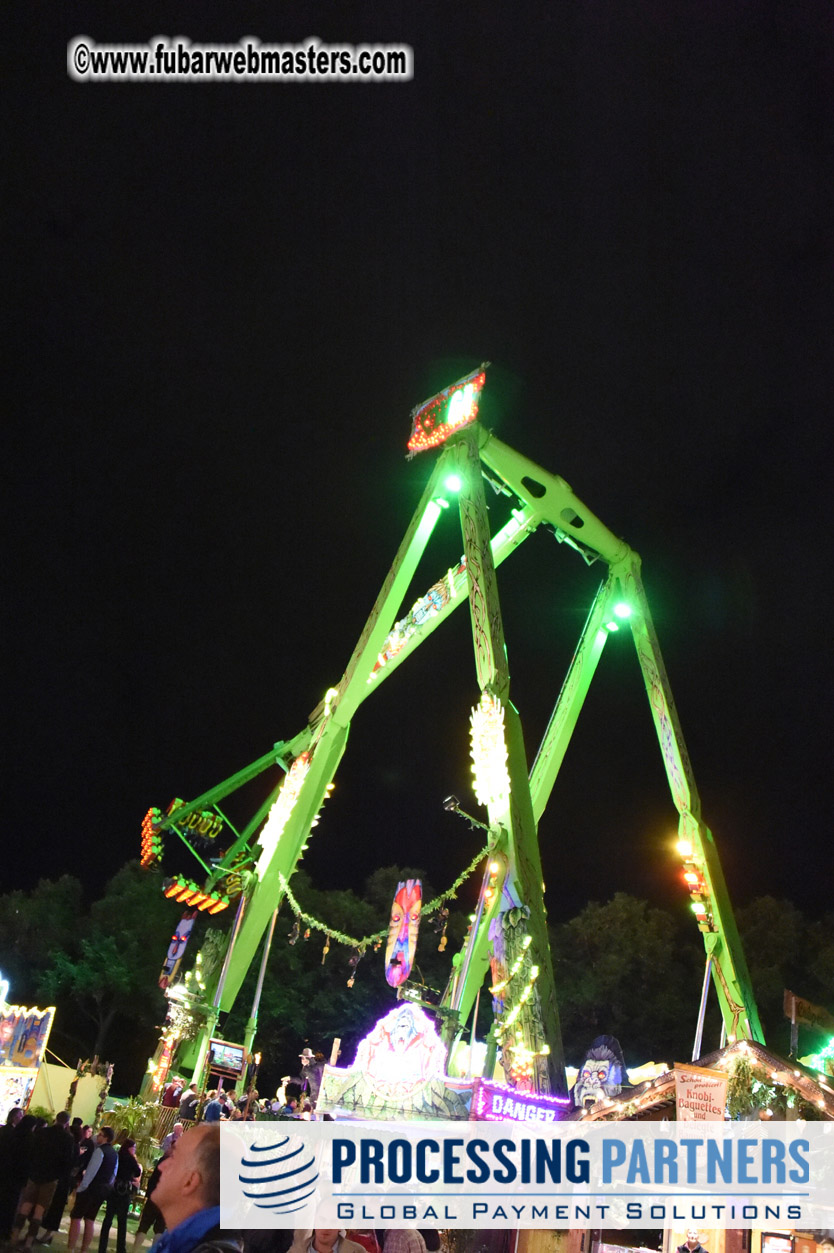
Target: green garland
(750, 1088)
(378, 936)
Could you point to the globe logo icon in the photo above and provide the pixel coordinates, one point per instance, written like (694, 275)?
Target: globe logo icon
(280, 1176)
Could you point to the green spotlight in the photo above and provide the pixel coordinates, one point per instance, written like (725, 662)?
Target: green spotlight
(622, 610)
(453, 483)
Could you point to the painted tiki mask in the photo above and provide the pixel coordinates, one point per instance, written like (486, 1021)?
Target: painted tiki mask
(402, 931)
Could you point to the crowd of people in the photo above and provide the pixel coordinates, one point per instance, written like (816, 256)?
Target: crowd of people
(295, 1098)
(46, 1167)
(43, 1164)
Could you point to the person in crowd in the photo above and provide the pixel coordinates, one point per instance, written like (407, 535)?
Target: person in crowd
(189, 1101)
(324, 1240)
(267, 1241)
(51, 1152)
(125, 1184)
(401, 1240)
(367, 1237)
(312, 1069)
(250, 1097)
(94, 1186)
(172, 1094)
(692, 1243)
(86, 1147)
(188, 1195)
(170, 1140)
(51, 1220)
(280, 1099)
(10, 1183)
(216, 1107)
(150, 1216)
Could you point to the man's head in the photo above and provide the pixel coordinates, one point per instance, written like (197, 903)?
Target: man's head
(324, 1238)
(106, 1135)
(177, 1130)
(189, 1177)
(62, 1118)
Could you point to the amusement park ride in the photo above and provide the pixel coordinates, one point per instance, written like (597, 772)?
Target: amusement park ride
(508, 936)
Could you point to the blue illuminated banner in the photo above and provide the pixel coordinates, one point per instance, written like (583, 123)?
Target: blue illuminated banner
(524, 1174)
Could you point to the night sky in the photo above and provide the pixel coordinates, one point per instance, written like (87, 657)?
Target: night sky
(223, 300)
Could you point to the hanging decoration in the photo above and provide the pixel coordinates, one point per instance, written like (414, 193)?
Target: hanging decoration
(402, 931)
(176, 949)
(447, 412)
(489, 751)
(283, 806)
(374, 940)
(440, 924)
(353, 962)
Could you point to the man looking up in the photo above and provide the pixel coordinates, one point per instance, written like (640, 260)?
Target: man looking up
(188, 1195)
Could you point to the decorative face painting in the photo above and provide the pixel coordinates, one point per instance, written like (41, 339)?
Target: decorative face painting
(602, 1073)
(402, 931)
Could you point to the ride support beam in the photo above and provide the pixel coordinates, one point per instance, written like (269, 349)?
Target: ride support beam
(329, 728)
(716, 920)
(569, 704)
(510, 814)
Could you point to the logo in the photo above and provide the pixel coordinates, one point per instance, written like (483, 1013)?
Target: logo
(526, 1174)
(280, 1176)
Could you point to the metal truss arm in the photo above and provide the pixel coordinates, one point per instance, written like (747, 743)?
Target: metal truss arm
(552, 499)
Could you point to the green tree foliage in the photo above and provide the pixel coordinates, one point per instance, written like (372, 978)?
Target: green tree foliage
(785, 950)
(33, 927)
(623, 969)
(102, 967)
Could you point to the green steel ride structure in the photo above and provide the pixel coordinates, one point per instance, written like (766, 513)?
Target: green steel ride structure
(511, 914)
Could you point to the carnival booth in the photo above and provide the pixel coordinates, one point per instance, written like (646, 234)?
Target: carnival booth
(23, 1036)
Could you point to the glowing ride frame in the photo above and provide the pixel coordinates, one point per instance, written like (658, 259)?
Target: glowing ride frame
(527, 1004)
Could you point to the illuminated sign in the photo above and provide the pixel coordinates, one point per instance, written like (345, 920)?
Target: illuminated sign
(398, 1073)
(23, 1035)
(494, 1102)
(447, 412)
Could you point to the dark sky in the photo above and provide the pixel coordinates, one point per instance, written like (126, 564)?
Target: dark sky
(223, 301)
